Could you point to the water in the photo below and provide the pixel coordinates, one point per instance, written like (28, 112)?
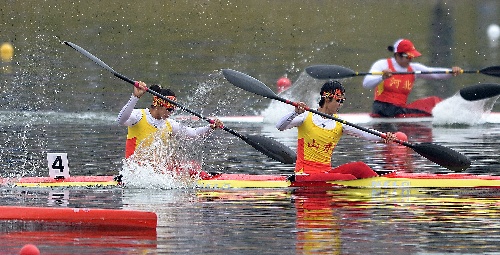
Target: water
(55, 100)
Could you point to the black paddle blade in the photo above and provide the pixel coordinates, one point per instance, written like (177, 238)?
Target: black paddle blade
(248, 83)
(272, 148)
(443, 156)
(492, 70)
(480, 91)
(329, 72)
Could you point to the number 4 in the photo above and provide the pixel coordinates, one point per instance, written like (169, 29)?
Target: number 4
(58, 164)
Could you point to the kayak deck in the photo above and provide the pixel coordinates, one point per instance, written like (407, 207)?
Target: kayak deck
(231, 181)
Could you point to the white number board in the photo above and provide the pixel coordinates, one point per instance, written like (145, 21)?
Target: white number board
(58, 165)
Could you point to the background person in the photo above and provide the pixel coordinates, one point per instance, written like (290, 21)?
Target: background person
(392, 90)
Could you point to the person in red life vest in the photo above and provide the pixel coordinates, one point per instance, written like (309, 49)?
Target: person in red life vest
(318, 137)
(144, 123)
(391, 90)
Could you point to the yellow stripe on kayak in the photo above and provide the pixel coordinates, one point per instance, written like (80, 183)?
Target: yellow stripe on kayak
(233, 184)
(375, 182)
(384, 182)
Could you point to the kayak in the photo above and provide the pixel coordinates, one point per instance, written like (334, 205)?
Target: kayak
(97, 218)
(393, 180)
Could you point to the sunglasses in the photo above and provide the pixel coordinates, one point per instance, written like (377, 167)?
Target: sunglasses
(404, 55)
(170, 109)
(340, 100)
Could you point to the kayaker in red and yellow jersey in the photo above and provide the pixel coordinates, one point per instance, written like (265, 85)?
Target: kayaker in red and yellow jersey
(391, 90)
(144, 123)
(318, 137)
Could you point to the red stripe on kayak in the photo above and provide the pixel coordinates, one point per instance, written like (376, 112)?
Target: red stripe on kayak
(450, 176)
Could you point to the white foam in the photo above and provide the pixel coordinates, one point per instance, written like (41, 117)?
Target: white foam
(161, 162)
(456, 110)
(147, 176)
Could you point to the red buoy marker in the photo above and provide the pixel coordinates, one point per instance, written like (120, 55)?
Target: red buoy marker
(283, 84)
(29, 249)
(401, 136)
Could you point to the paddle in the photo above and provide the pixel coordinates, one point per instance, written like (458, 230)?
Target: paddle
(438, 154)
(480, 91)
(338, 72)
(267, 146)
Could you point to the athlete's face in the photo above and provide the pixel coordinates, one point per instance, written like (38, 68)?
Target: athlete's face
(333, 105)
(163, 112)
(402, 59)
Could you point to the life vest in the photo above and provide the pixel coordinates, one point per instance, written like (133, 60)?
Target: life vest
(315, 146)
(395, 90)
(139, 132)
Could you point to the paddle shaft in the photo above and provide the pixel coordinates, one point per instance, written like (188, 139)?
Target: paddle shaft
(415, 72)
(338, 72)
(267, 146)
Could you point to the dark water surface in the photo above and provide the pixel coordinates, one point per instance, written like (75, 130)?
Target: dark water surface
(55, 100)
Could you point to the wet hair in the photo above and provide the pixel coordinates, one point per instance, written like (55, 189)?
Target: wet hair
(158, 89)
(164, 92)
(330, 86)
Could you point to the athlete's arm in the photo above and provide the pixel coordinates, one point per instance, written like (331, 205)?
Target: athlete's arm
(185, 131)
(371, 81)
(435, 76)
(290, 120)
(127, 115)
(360, 133)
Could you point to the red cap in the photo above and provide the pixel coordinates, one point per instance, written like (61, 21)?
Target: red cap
(406, 46)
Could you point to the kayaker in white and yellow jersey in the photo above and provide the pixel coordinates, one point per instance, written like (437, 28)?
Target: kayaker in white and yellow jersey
(318, 137)
(143, 123)
(391, 90)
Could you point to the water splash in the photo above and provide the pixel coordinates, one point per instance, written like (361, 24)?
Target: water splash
(305, 89)
(162, 161)
(458, 111)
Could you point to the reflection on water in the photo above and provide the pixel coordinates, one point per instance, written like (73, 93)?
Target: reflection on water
(373, 221)
(246, 221)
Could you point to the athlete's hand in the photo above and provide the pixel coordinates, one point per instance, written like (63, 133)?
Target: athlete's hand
(389, 137)
(217, 124)
(140, 90)
(387, 73)
(300, 107)
(456, 70)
